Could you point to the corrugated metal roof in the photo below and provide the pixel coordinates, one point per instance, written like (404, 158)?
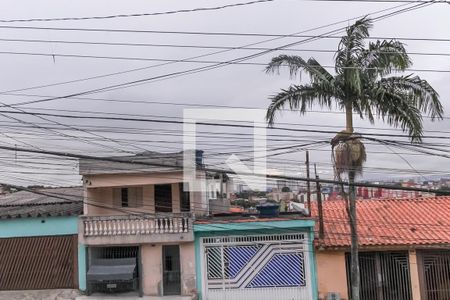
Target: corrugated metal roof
(388, 222)
(44, 202)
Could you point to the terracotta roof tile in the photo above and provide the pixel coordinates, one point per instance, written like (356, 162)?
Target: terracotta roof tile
(388, 222)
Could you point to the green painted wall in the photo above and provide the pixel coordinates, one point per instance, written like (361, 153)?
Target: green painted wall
(273, 226)
(312, 260)
(23, 227)
(247, 228)
(82, 267)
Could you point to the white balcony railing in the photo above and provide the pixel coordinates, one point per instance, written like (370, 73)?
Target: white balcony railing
(135, 225)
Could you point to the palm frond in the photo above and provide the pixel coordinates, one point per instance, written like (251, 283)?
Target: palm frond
(352, 44)
(384, 57)
(298, 97)
(398, 109)
(424, 97)
(296, 64)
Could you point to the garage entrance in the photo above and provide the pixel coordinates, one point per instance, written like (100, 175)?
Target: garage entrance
(34, 263)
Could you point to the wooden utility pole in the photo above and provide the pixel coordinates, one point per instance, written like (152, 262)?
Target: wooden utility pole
(308, 184)
(319, 205)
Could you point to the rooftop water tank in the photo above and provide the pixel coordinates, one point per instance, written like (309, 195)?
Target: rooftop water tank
(268, 209)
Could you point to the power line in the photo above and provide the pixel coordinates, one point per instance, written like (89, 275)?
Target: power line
(55, 55)
(219, 65)
(209, 124)
(94, 200)
(343, 221)
(188, 46)
(182, 104)
(199, 9)
(208, 54)
(242, 34)
(379, 1)
(270, 176)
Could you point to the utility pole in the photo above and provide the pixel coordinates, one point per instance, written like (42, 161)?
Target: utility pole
(221, 186)
(308, 184)
(319, 205)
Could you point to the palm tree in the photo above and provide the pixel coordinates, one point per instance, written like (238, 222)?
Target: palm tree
(363, 84)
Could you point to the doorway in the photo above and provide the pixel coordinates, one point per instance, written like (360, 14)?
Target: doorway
(171, 270)
(163, 197)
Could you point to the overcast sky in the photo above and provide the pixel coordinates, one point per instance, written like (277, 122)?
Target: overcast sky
(232, 85)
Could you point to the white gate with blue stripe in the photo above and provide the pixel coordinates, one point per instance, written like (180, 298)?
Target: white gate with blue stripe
(256, 267)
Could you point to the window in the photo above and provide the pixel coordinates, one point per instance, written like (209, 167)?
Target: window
(185, 201)
(124, 197)
(163, 197)
(128, 197)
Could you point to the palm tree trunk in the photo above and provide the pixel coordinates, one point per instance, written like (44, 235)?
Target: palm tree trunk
(354, 263)
(349, 117)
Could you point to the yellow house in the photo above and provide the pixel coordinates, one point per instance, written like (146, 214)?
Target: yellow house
(404, 249)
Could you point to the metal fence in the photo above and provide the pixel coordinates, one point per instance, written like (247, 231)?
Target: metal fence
(435, 267)
(384, 276)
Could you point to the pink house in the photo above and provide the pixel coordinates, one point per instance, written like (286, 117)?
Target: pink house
(137, 229)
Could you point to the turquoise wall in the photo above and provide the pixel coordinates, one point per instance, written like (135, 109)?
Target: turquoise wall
(312, 259)
(245, 228)
(82, 267)
(273, 226)
(22, 227)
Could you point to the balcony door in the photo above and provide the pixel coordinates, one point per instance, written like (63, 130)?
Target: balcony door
(171, 270)
(163, 198)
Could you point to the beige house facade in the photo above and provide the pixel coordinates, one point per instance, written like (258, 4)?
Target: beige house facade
(137, 227)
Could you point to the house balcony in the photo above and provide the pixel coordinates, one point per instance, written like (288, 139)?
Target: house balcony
(136, 229)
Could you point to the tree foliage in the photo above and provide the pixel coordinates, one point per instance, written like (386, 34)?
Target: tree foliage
(366, 79)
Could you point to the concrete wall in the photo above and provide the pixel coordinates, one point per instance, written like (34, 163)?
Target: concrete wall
(152, 269)
(23, 227)
(151, 256)
(331, 273)
(414, 273)
(187, 260)
(99, 192)
(219, 205)
(100, 201)
(117, 180)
